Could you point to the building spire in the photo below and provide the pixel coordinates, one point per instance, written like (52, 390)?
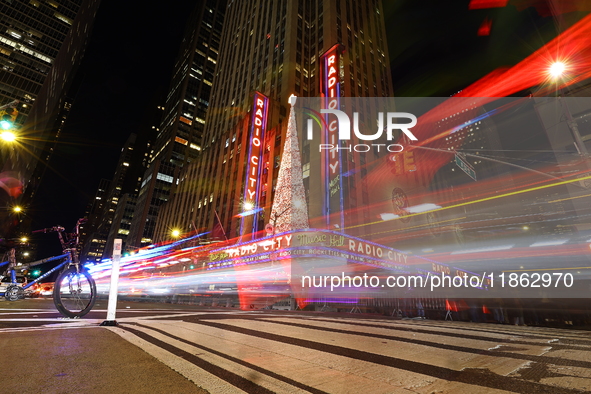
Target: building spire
(289, 210)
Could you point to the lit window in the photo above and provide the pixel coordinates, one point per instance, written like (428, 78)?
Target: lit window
(306, 170)
(181, 140)
(62, 18)
(165, 178)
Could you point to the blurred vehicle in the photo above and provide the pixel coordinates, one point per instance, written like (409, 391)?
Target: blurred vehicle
(6, 282)
(33, 291)
(46, 289)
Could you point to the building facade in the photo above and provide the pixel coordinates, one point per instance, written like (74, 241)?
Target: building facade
(179, 136)
(31, 36)
(92, 249)
(271, 50)
(111, 222)
(41, 45)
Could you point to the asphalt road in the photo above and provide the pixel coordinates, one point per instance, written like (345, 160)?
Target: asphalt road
(184, 349)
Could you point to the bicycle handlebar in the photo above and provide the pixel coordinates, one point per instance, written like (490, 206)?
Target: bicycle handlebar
(49, 230)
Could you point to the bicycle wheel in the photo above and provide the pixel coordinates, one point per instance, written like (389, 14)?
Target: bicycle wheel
(14, 293)
(74, 292)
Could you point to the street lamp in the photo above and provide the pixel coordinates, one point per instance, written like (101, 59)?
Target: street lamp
(557, 69)
(175, 233)
(8, 136)
(17, 209)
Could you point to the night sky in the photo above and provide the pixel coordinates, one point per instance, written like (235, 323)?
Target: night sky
(434, 50)
(123, 77)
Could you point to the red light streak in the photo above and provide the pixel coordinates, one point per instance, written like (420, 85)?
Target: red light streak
(480, 4)
(484, 29)
(571, 47)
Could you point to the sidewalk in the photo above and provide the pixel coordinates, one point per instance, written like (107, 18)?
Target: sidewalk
(83, 360)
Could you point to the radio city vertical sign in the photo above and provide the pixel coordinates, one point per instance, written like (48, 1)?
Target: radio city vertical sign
(330, 86)
(252, 187)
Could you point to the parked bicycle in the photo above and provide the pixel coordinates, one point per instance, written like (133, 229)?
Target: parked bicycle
(12, 285)
(74, 292)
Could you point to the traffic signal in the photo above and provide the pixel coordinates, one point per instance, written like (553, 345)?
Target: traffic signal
(403, 162)
(409, 161)
(395, 164)
(7, 118)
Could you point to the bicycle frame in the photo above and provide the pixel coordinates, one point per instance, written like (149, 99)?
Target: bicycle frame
(70, 253)
(12, 270)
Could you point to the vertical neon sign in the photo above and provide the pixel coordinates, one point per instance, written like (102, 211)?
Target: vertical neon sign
(330, 87)
(258, 126)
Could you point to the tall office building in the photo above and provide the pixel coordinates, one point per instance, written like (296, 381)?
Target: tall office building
(31, 35)
(92, 249)
(270, 50)
(179, 136)
(107, 224)
(41, 44)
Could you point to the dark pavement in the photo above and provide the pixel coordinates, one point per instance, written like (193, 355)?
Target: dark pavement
(176, 348)
(83, 360)
(43, 355)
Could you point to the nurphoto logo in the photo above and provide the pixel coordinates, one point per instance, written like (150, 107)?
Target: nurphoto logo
(341, 124)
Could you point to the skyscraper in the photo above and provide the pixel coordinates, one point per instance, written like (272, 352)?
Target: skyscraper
(41, 44)
(270, 50)
(93, 248)
(31, 36)
(106, 223)
(179, 136)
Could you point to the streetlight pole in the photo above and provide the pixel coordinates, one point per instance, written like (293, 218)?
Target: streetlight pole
(557, 70)
(489, 159)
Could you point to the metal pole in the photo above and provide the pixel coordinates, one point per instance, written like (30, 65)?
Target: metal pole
(112, 306)
(491, 159)
(574, 128)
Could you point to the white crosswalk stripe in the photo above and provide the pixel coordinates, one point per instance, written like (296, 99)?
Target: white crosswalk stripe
(285, 353)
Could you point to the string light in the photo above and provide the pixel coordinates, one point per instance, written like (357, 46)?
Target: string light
(289, 210)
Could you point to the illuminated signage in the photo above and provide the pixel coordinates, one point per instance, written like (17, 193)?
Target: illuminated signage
(255, 150)
(331, 90)
(308, 243)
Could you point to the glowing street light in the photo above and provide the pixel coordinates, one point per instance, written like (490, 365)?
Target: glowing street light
(175, 233)
(24, 239)
(8, 136)
(557, 69)
(17, 209)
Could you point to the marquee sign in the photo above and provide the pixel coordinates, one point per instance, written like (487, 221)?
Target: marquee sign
(254, 165)
(330, 86)
(320, 243)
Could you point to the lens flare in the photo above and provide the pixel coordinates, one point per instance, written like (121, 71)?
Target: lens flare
(557, 69)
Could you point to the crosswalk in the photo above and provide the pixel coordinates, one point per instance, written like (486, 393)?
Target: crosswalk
(265, 352)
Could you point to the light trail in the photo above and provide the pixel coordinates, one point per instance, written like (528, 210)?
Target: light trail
(569, 198)
(481, 200)
(548, 269)
(417, 226)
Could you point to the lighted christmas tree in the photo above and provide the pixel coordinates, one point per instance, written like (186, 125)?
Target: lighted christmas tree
(289, 210)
